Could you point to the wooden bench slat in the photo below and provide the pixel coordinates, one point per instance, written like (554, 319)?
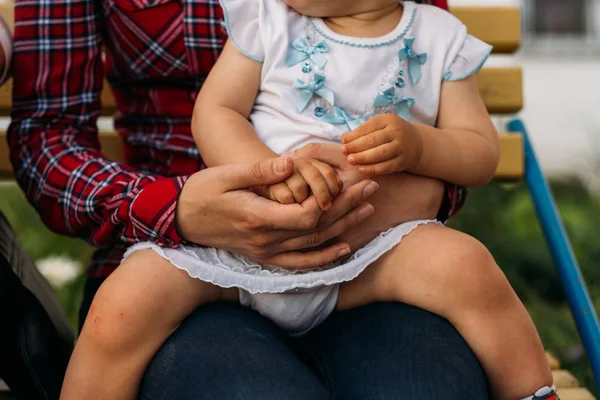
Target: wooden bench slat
(6, 10)
(108, 102)
(6, 98)
(112, 146)
(500, 88)
(553, 361)
(109, 106)
(564, 379)
(510, 168)
(498, 26)
(512, 158)
(575, 394)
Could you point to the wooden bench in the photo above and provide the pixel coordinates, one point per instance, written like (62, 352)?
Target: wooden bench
(501, 89)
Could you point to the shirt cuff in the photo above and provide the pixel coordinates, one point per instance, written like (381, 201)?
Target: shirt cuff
(6, 43)
(153, 212)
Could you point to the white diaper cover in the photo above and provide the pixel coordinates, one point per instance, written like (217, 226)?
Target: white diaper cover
(297, 311)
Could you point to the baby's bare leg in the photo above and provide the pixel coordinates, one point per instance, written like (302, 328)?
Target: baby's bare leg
(453, 275)
(133, 313)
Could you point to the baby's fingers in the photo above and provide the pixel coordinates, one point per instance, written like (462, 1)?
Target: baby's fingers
(332, 179)
(371, 126)
(318, 185)
(383, 168)
(281, 193)
(299, 187)
(385, 152)
(369, 141)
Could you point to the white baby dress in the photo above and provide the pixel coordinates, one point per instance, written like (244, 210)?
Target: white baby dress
(316, 85)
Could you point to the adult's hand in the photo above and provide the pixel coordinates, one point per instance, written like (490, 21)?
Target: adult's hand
(402, 197)
(216, 209)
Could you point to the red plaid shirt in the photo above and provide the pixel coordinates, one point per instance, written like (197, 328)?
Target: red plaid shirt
(158, 53)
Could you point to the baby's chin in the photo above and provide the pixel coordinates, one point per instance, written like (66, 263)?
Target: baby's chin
(336, 8)
(318, 8)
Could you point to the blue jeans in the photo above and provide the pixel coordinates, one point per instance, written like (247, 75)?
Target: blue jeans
(380, 351)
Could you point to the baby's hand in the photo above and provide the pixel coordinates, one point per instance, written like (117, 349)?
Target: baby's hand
(319, 177)
(382, 145)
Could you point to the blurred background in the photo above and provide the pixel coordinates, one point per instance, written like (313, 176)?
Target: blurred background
(561, 60)
(560, 56)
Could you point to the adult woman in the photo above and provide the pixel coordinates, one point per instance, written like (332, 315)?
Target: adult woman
(157, 53)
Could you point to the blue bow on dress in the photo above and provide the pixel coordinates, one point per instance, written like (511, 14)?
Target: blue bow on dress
(341, 117)
(301, 51)
(390, 98)
(308, 90)
(414, 60)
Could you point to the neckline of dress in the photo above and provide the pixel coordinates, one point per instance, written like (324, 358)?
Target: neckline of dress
(407, 20)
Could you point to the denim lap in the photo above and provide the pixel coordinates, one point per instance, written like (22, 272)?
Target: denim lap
(380, 351)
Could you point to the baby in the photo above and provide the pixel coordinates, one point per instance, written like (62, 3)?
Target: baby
(392, 83)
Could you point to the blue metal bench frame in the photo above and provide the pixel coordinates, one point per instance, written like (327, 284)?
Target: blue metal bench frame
(566, 264)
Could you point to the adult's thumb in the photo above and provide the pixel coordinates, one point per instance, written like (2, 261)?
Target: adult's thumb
(266, 172)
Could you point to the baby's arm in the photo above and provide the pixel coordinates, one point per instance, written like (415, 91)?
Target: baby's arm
(224, 135)
(220, 123)
(463, 149)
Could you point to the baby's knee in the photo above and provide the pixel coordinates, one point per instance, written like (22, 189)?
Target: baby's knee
(116, 315)
(108, 324)
(471, 274)
(464, 253)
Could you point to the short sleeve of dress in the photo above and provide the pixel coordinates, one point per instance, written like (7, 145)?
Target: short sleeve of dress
(243, 24)
(465, 56)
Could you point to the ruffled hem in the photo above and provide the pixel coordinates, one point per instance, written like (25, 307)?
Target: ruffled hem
(209, 265)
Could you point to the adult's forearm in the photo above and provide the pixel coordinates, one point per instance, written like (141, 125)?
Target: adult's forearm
(80, 193)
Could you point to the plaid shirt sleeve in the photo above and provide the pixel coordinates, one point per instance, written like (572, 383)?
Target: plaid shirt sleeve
(53, 139)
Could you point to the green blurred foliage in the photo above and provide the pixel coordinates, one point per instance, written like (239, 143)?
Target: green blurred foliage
(501, 216)
(39, 243)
